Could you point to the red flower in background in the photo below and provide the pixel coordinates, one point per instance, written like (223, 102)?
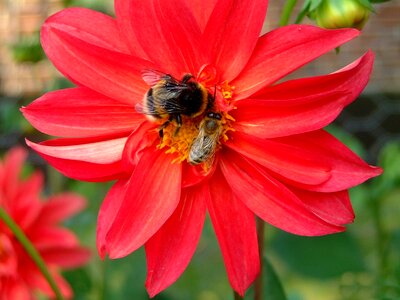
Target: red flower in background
(273, 159)
(40, 220)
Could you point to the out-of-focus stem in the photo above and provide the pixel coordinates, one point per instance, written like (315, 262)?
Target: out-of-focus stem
(237, 296)
(287, 12)
(258, 284)
(31, 251)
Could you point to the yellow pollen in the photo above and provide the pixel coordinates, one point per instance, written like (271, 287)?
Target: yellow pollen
(227, 90)
(178, 143)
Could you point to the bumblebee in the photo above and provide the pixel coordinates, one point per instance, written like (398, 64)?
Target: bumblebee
(205, 144)
(169, 98)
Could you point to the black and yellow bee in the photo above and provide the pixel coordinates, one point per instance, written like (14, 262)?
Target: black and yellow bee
(169, 98)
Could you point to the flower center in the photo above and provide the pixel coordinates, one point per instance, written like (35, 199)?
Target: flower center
(197, 139)
(181, 142)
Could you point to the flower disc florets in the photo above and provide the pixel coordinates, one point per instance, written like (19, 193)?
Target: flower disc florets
(179, 140)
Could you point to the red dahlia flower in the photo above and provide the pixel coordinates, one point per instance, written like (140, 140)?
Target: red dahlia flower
(59, 248)
(272, 158)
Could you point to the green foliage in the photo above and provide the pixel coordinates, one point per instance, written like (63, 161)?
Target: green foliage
(28, 50)
(319, 257)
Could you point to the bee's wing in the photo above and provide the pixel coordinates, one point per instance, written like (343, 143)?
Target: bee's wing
(152, 77)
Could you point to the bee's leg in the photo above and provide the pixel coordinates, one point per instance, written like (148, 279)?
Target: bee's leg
(164, 125)
(186, 77)
(178, 120)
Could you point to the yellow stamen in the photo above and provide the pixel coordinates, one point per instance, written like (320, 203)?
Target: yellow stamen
(178, 143)
(227, 90)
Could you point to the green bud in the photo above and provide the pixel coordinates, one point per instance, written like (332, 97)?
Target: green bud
(342, 14)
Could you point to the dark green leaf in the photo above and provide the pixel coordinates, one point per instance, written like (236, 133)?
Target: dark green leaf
(319, 257)
(272, 286)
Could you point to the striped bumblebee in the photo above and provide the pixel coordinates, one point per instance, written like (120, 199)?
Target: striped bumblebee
(169, 98)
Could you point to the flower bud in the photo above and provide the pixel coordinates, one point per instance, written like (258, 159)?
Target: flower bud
(342, 14)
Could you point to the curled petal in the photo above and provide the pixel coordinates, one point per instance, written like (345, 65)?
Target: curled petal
(264, 119)
(142, 211)
(193, 175)
(80, 112)
(91, 26)
(346, 168)
(101, 152)
(143, 137)
(284, 50)
(169, 251)
(351, 80)
(294, 163)
(108, 166)
(232, 33)
(271, 200)
(334, 208)
(235, 227)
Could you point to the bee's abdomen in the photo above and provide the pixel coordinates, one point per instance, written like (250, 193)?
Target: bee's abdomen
(151, 108)
(200, 151)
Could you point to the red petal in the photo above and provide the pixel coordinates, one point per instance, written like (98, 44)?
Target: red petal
(61, 207)
(169, 251)
(201, 10)
(334, 208)
(346, 168)
(351, 79)
(80, 112)
(114, 74)
(271, 200)
(232, 33)
(36, 281)
(15, 288)
(143, 137)
(165, 30)
(100, 152)
(94, 27)
(295, 163)
(50, 237)
(193, 175)
(78, 169)
(235, 228)
(108, 211)
(25, 206)
(66, 257)
(11, 170)
(265, 119)
(284, 50)
(152, 195)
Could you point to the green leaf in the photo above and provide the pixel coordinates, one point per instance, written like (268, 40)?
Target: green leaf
(80, 282)
(319, 257)
(272, 286)
(367, 4)
(379, 1)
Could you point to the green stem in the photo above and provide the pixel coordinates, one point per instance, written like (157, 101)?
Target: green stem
(258, 284)
(382, 240)
(31, 250)
(287, 12)
(237, 296)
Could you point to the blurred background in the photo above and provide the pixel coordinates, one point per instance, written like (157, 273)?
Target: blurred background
(360, 264)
